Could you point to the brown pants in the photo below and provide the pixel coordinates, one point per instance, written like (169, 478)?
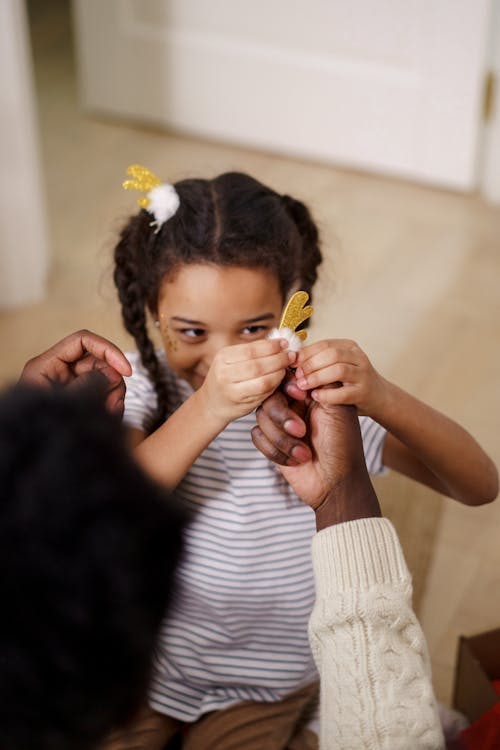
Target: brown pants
(244, 726)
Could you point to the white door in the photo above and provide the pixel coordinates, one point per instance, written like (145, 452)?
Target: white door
(393, 86)
(24, 252)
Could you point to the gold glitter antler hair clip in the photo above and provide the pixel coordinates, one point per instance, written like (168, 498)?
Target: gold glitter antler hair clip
(294, 314)
(144, 180)
(161, 199)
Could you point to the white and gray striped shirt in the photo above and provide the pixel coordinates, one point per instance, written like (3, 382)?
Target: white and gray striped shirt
(238, 627)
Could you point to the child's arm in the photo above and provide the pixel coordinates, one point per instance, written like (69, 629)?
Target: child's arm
(422, 443)
(238, 380)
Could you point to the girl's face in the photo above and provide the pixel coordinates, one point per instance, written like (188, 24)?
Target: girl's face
(203, 307)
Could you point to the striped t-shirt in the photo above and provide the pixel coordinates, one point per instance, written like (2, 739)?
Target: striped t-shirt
(238, 627)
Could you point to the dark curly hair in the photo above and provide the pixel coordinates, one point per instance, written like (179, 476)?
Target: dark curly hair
(88, 547)
(231, 220)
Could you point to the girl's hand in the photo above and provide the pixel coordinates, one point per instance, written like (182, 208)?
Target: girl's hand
(342, 363)
(241, 377)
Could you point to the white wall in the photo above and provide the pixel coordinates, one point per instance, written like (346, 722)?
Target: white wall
(490, 164)
(23, 235)
(384, 86)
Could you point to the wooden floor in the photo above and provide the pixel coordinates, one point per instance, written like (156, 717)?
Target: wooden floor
(412, 273)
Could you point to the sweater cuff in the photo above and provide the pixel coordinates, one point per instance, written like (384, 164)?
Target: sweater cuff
(357, 555)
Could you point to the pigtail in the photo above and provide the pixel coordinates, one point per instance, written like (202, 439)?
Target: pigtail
(131, 255)
(309, 234)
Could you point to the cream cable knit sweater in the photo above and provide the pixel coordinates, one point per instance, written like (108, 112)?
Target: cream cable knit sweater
(376, 690)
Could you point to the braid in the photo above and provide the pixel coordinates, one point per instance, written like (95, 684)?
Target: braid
(308, 231)
(133, 244)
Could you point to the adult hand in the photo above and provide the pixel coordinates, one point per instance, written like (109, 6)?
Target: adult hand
(334, 480)
(74, 359)
(282, 419)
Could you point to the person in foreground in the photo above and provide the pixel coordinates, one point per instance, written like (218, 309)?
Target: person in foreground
(81, 556)
(371, 654)
(88, 550)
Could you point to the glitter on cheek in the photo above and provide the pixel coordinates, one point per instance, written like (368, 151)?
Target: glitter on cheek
(170, 342)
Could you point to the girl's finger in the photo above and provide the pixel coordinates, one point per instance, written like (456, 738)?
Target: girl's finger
(256, 389)
(307, 352)
(253, 350)
(341, 372)
(242, 371)
(326, 357)
(333, 395)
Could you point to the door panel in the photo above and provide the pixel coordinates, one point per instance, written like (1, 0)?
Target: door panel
(388, 86)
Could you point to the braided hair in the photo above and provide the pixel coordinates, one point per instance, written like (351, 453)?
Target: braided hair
(231, 220)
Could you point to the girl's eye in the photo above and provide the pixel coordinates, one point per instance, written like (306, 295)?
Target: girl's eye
(253, 330)
(192, 333)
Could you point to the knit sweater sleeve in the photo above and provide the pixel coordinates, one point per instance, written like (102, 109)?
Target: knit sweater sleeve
(376, 690)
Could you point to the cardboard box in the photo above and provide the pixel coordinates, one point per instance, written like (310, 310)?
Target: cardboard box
(478, 663)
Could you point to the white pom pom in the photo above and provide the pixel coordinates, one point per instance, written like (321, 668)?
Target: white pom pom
(294, 342)
(164, 202)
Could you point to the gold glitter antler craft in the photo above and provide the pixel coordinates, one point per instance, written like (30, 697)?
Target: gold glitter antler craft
(295, 313)
(144, 180)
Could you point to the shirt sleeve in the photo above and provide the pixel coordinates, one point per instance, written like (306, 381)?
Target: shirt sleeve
(373, 436)
(376, 688)
(140, 397)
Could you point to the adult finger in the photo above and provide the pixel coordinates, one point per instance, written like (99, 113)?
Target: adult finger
(55, 363)
(288, 417)
(101, 348)
(105, 378)
(77, 345)
(45, 370)
(115, 401)
(291, 388)
(278, 439)
(269, 451)
(89, 364)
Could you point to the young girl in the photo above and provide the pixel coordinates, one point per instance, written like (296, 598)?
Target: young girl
(233, 663)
